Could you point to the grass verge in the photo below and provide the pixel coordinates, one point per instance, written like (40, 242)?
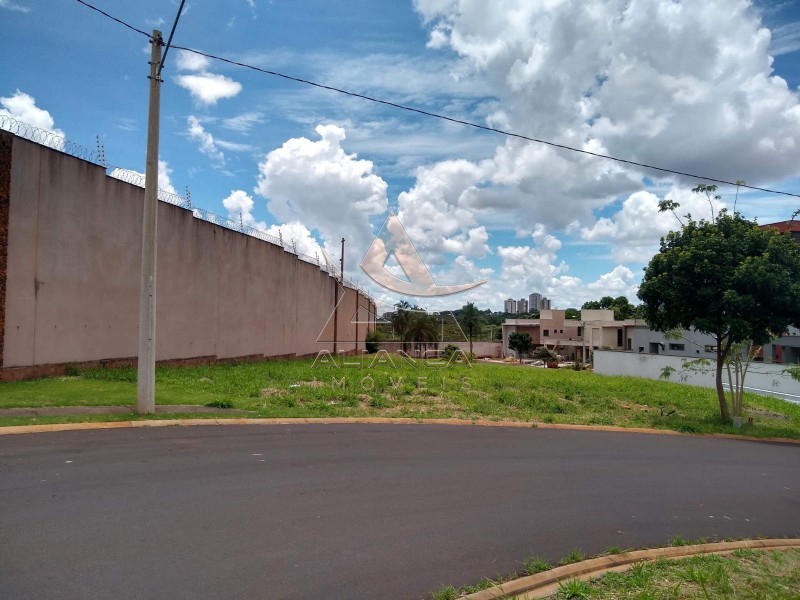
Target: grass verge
(745, 573)
(288, 389)
(742, 574)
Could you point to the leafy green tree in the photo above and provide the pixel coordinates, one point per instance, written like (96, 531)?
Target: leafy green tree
(725, 277)
(621, 306)
(373, 341)
(470, 321)
(545, 354)
(520, 342)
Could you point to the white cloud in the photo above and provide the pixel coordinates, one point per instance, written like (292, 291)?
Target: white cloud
(190, 61)
(205, 140)
(164, 177)
(244, 122)
(634, 231)
(9, 5)
(138, 179)
(657, 81)
(317, 183)
(22, 107)
(235, 146)
(240, 206)
(537, 267)
(208, 88)
(296, 236)
(785, 39)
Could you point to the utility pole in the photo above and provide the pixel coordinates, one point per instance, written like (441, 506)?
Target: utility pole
(336, 299)
(341, 271)
(146, 380)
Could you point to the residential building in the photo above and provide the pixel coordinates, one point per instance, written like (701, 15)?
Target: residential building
(511, 306)
(535, 301)
(574, 339)
(522, 306)
(784, 226)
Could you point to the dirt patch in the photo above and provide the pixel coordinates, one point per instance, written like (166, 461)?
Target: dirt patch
(767, 414)
(270, 392)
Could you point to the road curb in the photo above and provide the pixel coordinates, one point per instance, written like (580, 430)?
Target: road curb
(19, 429)
(547, 583)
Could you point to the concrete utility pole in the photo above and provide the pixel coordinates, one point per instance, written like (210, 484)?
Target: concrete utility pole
(146, 380)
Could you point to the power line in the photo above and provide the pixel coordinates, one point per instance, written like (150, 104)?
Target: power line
(452, 119)
(479, 126)
(171, 33)
(120, 21)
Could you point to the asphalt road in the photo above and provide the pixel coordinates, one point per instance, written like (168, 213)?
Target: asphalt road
(358, 511)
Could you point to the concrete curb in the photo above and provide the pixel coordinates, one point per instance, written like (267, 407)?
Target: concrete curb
(546, 583)
(17, 429)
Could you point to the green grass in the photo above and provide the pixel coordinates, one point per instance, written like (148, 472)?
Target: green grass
(744, 574)
(295, 389)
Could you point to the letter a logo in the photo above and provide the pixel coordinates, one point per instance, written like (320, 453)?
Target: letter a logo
(392, 239)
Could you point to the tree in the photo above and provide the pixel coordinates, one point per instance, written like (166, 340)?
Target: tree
(520, 342)
(372, 342)
(727, 278)
(545, 354)
(422, 328)
(400, 319)
(471, 321)
(622, 308)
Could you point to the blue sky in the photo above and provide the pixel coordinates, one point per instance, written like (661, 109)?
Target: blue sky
(704, 87)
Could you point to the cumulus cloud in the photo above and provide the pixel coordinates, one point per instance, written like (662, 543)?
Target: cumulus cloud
(208, 88)
(205, 87)
(655, 81)
(204, 140)
(164, 177)
(537, 267)
(137, 178)
(22, 107)
(319, 184)
(634, 230)
(297, 237)
(189, 61)
(240, 207)
(688, 87)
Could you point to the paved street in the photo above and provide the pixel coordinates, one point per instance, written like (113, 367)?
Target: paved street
(358, 511)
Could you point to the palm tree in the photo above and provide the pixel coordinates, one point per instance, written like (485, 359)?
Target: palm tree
(423, 329)
(471, 321)
(401, 319)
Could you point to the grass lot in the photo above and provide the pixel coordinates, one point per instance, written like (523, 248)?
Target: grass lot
(744, 574)
(485, 391)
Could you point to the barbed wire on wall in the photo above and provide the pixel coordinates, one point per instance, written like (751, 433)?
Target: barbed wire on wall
(54, 141)
(46, 137)
(137, 179)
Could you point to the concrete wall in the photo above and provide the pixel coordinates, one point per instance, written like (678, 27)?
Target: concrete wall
(71, 281)
(765, 379)
(654, 342)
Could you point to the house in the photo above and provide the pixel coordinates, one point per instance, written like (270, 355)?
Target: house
(784, 226)
(574, 339)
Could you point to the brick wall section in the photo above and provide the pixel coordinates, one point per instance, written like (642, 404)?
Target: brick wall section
(5, 203)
